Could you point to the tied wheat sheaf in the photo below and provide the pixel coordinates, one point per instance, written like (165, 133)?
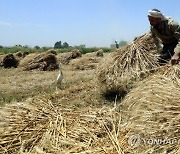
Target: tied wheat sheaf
(121, 69)
(88, 62)
(153, 112)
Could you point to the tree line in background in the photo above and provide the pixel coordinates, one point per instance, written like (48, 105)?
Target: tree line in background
(59, 46)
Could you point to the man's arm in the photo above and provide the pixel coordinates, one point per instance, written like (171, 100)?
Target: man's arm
(175, 27)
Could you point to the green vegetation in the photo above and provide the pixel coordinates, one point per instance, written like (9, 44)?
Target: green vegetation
(59, 45)
(15, 49)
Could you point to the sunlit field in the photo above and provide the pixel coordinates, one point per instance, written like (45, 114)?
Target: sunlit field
(115, 103)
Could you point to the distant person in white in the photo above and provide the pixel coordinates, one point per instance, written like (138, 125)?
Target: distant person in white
(116, 43)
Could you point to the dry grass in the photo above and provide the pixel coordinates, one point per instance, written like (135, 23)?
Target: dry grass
(17, 85)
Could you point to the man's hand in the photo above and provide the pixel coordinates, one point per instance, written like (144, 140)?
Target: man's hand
(175, 58)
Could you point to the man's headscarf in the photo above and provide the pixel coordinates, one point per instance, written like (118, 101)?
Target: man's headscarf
(156, 14)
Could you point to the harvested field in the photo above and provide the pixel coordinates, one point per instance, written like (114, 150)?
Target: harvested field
(75, 120)
(17, 85)
(78, 119)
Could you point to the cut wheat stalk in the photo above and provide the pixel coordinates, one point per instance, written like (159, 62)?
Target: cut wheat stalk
(121, 70)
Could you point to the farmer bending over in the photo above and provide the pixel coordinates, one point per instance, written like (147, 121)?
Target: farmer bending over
(168, 31)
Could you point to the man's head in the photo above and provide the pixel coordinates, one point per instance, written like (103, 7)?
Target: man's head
(155, 17)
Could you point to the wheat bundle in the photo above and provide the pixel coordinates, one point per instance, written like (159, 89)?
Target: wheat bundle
(25, 53)
(26, 60)
(43, 61)
(39, 127)
(10, 60)
(65, 58)
(131, 63)
(51, 51)
(153, 112)
(100, 53)
(76, 53)
(21, 54)
(85, 63)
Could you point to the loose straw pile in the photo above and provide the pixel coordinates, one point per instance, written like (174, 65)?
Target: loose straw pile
(37, 126)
